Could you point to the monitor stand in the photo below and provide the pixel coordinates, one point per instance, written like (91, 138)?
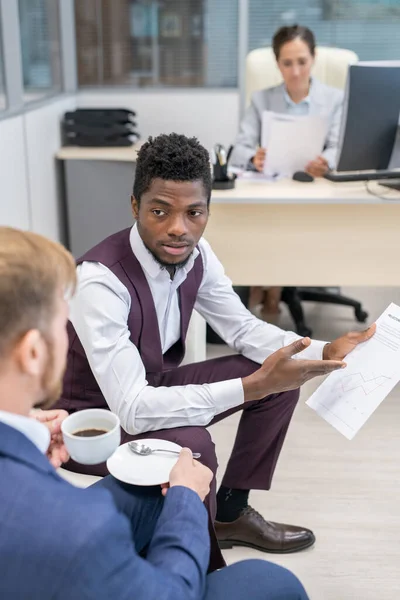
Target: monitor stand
(394, 184)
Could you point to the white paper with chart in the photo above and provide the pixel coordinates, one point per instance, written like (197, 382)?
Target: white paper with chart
(347, 398)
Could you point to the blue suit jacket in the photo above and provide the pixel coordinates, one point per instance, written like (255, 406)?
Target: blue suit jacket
(59, 542)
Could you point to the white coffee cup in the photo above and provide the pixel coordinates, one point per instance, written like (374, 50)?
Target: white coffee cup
(96, 449)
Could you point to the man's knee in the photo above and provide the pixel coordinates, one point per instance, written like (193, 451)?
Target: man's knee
(198, 439)
(277, 582)
(288, 398)
(294, 395)
(280, 583)
(256, 579)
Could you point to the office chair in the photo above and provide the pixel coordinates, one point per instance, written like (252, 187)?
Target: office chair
(331, 65)
(293, 298)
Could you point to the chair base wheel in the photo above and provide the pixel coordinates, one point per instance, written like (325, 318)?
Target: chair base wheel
(361, 315)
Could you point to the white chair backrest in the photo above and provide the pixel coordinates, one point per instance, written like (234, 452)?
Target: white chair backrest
(331, 65)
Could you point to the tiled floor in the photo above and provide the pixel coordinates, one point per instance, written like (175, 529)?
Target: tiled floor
(347, 492)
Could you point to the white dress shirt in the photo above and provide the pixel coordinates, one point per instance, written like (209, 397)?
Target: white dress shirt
(35, 431)
(99, 314)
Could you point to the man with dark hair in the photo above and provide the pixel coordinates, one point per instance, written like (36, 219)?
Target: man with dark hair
(136, 293)
(172, 158)
(58, 542)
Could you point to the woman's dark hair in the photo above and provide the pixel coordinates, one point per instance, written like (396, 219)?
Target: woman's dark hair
(288, 34)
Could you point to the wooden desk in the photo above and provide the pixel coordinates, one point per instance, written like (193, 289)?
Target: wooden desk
(265, 233)
(320, 233)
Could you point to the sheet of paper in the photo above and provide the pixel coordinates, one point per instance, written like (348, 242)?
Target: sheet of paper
(256, 176)
(267, 117)
(291, 141)
(347, 398)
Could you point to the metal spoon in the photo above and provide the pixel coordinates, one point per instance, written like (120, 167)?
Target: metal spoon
(143, 450)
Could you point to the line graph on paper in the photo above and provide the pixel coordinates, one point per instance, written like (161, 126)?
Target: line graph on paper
(358, 381)
(350, 398)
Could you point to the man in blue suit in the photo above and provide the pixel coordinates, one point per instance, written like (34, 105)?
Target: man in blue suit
(113, 541)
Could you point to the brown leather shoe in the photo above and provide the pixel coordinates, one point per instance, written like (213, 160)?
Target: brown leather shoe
(252, 530)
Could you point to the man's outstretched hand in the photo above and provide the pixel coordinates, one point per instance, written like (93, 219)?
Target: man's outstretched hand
(338, 349)
(280, 372)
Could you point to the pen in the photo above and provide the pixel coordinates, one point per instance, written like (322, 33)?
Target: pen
(222, 156)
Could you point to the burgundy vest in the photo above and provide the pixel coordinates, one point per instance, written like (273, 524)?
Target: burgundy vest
(115, 252)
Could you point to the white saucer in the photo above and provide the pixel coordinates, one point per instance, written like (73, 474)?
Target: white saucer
(143, 470)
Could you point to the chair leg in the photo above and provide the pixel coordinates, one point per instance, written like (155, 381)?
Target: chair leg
(315, 295)
(291, 297)
(244, 294)
(243, 291)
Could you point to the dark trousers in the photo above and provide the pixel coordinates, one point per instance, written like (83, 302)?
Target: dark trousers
(259, 439)
(255, 579)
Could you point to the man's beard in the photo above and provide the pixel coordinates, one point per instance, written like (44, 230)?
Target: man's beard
(167, 265)
(51, 388)
(52, 395)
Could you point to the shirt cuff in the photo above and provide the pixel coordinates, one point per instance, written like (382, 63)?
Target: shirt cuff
(330, 157)
(250, 165)
(227, 394)
(314, 351)
(179, 497)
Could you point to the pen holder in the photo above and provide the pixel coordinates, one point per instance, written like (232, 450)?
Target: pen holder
(226, 184)
(221, 179)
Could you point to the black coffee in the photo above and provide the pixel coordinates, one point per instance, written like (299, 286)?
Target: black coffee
(89, 432)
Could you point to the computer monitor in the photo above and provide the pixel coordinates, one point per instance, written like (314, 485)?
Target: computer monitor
(369, 123)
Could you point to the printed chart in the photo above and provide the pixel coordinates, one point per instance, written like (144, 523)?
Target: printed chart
(347, 398)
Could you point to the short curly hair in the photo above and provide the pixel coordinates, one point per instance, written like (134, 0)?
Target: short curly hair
(172, 157)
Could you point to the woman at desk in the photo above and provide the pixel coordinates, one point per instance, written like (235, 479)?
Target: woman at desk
(299, 94)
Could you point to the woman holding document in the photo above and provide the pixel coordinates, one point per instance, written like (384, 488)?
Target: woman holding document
(299, 94)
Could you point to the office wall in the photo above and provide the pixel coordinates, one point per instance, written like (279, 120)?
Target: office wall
(14, 204)
(43, 140)
(30, 196)
(210, 115)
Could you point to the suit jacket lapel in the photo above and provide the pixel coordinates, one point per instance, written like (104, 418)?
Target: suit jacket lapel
(150, 341)
(277, 101)
(188, 294)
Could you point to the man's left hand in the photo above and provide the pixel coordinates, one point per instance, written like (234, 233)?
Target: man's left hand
(341, 347)
(52, 419)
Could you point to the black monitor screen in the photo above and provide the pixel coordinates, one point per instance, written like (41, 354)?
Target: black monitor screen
(370, 118)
